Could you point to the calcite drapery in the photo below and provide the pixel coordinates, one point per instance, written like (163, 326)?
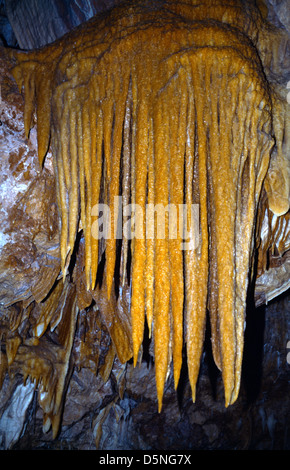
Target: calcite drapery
(185, 119)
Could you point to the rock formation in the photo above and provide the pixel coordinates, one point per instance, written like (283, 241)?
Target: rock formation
(162, 103)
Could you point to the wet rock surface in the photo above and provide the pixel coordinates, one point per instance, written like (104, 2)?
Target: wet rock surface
(117, 409)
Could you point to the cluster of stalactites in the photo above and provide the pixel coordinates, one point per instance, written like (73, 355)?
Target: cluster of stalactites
(183, 119)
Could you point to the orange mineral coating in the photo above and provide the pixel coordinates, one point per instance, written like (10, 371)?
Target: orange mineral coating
(161, 268)
(162, 106)
(150, 244)
(138, 264)
(177, 126)
(196, 261)
(126, 180)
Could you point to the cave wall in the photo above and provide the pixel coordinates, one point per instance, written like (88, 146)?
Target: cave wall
(120, 411)
(22, 21)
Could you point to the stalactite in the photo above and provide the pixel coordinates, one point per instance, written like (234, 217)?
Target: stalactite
(161, 109)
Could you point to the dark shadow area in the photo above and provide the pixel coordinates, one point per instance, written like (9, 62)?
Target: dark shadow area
(146, 356)
(76, 249)
(183, 380)
(207, 366)
(100, 271)
(252, 367)
(252, 370)
(212, 370)
(117, 280)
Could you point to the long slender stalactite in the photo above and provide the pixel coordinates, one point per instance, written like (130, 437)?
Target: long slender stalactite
(159, 106)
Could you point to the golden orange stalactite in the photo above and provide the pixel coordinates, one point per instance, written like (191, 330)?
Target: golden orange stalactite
(189, 262)
(214, 149)
(138, 262)
(61, 190)
(120, 91)
(177, 134)
(83, 168)
(43, 113)
(107, 107)
(133, 143)
(74, 188)
(126, 186)
(150, 244)
(197, 261)
(84, 163)
(245, 204)
(225, 208)
(277, 182)
(64, 152)
(241, 158)
(96, 150)
(161, 267)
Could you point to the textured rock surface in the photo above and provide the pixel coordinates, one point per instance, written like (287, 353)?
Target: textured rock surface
(59, 17)
(119, 410)
(29, 228)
